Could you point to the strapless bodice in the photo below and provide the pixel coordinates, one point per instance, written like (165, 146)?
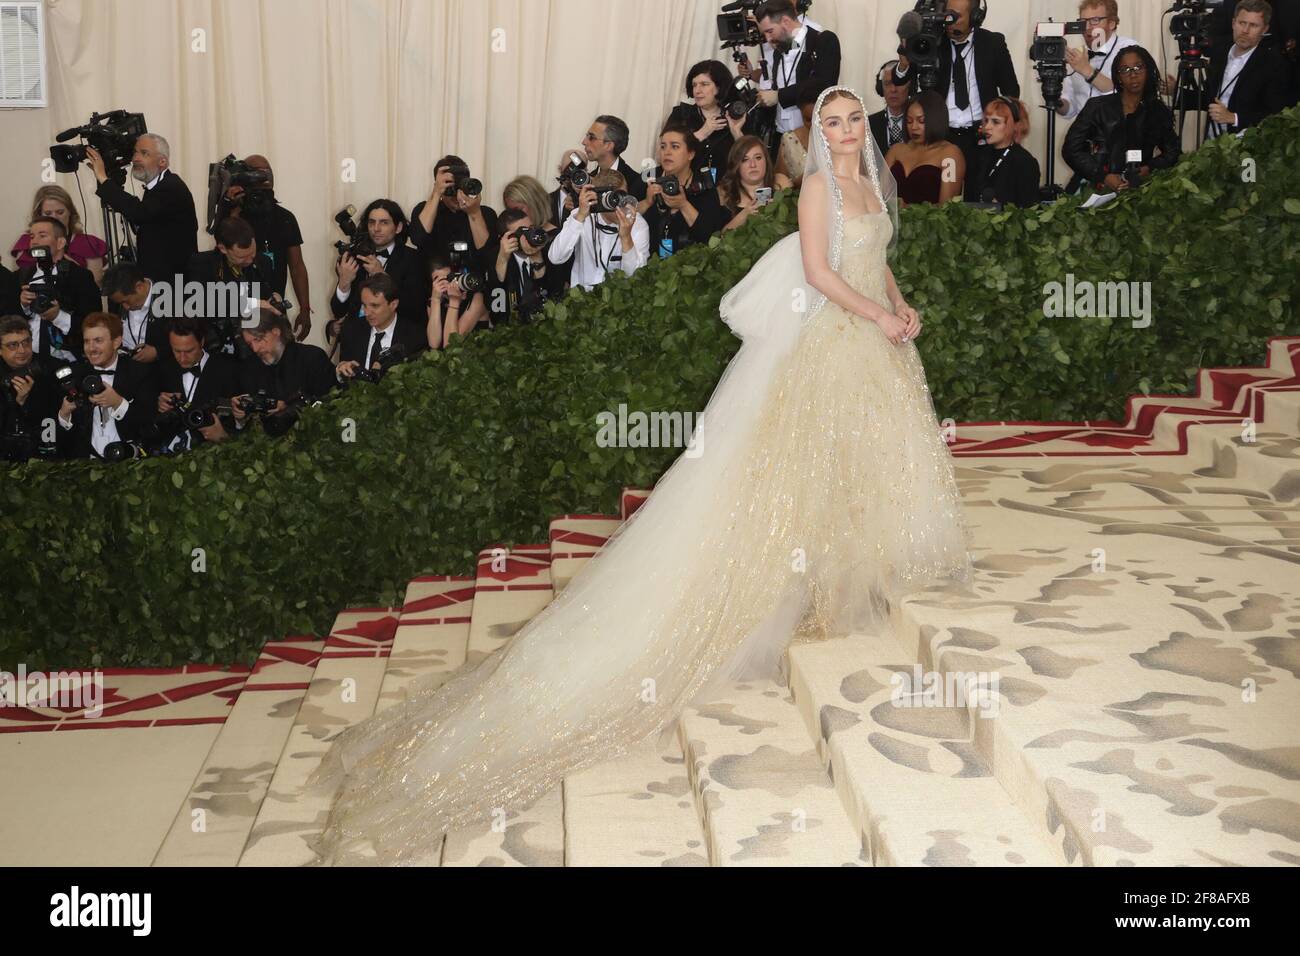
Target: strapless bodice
(862, 254)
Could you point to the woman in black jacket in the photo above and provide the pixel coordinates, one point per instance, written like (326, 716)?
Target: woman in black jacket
(1007, 172)
(708, 86)
(1131, 118)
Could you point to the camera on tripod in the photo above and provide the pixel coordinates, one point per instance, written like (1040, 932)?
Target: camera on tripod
(1190, 25)
(1048, 54)
(464, 181)
(113, 134)
(461, 276)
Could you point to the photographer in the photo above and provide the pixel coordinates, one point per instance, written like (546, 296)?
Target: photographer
(131, 295)
(190, 378)
(802, 59)
(608, 239)
(1097, 146)
(85, 250)
(983, 71)
(1091, 69)
(750, 182)
(451, 309)
(163, 218)
(280, 370)
(604, 144)
(120, 412)
(523, 280)
(278, 236)
(1248, 79)
(678, 210)
(527, 195)
(363, 341)
(29, 395)
(452, 214)
(708, 85)
(56, 293)
(381, 248)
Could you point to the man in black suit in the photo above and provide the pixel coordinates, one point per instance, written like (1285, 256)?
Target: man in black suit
(805, 61)
(71, 289)
(889, 126)
(131, 298)
(1249, 79)
(604, 144)
(290, 372)
(364, 340)
(386, 225)
(29, 395)
(163, 219)
(191, 378)
(523, 279)
(119, 413)
(984, 72)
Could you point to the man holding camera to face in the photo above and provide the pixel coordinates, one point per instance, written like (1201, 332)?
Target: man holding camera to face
(454, 212)
(383, 339)
(522, 279)
(108, 398)
(195, 390)
(280, 375)
(56, 293)
(604, 233)
(380, 249)
(164, 220)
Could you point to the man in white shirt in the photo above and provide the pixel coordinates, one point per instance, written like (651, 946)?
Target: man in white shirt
(1252, 78)
(1091, 68)
(618, 239)
(787, 118)
(127, 401)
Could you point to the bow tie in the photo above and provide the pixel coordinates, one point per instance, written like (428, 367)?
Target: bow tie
(105, 371)
(1093, 54)
(194, 370)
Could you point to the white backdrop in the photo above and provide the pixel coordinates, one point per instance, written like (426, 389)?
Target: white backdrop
(388, 86)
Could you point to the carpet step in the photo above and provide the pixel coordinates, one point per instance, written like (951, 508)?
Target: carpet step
(510, 587)
(764, 796)
(574, 539)
(344, 689)
(911, 777)
(214, 821)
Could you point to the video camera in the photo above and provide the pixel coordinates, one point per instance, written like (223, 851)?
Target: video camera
(234, 172)
(1048, 55)
(113, 134)
(1191, 26)
(921, 33)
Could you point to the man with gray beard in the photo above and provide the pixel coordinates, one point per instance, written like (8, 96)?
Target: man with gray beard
(163, 218)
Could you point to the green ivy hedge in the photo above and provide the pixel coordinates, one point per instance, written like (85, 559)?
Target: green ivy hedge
(206, 556)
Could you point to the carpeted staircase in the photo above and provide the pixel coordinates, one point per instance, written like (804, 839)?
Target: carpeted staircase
(1134, 624)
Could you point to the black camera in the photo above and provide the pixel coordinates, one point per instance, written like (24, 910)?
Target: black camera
(464, 181)
(46, 287)
(535, 236)
(1048, 54)
(744, 97)
(124, 451)
(389, 357)
(258, 403)
(113, 134)
(574, 176)
(79, 382)
(358, 241)
(233, 172)
(461, 275)
(609, 199)
(921, 33)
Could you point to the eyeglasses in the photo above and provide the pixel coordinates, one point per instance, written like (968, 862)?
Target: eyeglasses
(15, 346)
(1095, 21)
(1130, 70)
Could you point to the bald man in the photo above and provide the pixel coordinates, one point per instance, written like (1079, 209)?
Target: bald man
(165, 224)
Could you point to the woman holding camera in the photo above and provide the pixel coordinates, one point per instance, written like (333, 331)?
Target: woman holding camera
(85, 250)
(750, 181)
(708, 86)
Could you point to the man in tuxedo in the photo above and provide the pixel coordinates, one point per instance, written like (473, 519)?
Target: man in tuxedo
(236, 259)
(288, 371)
(122, 410)
(1090, 68)
(984, 71)
(523, 279)
(71, 289)
(191, 378)
(805, 61)
(131, 298)
(364, 339)
(604, 144)
(1249, 79)
(386, 225)
(889, 126)
(164, 221)
(29, 395)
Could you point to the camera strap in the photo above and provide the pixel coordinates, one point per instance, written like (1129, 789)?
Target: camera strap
(613, 253)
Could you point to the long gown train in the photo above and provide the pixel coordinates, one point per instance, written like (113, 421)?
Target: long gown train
(818, 490)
